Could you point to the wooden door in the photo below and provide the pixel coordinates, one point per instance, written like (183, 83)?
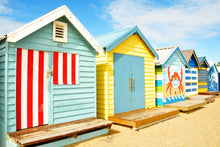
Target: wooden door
(31, 88)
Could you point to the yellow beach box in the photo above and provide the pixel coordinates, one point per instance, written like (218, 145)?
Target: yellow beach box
(125, 73)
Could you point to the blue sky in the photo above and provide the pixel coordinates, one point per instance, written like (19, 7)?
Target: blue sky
(190, 24)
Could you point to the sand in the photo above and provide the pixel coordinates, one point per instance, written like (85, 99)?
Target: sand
(200, 127)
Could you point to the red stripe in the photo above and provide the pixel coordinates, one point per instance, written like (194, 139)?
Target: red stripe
(55, 67)
(30, 89)
(41, 88)
(64, 68)
(73, 69)
(18, 88)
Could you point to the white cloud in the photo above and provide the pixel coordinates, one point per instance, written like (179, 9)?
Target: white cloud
(6, 22)
(8, 25)
(4, 9)
(176, 23)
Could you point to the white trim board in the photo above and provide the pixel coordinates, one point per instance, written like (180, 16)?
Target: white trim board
(42, 21)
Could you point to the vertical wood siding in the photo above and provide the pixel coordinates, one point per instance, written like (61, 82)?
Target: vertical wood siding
(134, 46)
(2, 92)
(66, 102)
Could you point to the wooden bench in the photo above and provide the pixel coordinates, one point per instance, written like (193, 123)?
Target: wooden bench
(47, 133)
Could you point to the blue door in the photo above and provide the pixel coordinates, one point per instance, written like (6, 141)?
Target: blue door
(138, 90)
(129, 87)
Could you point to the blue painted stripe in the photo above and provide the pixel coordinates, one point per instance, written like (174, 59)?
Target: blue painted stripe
(194, 78)
(188, 84)
(194, 89)
(174, 99)
(188, 90)
(193, 72)
(159, 83)
(159, 102)
(187, 71)
(194, 83)
(188, 78)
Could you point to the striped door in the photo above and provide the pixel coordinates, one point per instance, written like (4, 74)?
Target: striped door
(31, 88)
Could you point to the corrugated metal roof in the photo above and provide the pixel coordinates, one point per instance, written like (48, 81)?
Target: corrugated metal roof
(187, 54)
(106, 40)
(2, 38)
(164, 54)
(202, 59)
(111, 40)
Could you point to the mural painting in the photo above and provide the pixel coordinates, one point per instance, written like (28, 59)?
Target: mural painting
(174, 85)
(212, 79)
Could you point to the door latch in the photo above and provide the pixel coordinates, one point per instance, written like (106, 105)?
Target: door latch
(131, 83)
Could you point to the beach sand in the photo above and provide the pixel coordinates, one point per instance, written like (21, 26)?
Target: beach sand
(197, 128)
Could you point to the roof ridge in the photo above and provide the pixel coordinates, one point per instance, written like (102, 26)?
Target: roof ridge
(169, 47)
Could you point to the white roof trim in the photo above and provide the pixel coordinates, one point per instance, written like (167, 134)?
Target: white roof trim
(48, 18)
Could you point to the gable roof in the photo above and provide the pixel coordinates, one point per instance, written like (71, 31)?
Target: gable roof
(188, 54)
(212, 63)
(42, 21)
(111, 40)
(203, 59)
(166, 53)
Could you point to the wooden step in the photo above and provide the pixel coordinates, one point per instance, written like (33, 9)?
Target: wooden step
(142, 118)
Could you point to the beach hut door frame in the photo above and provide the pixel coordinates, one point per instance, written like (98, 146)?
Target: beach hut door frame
(129, 86)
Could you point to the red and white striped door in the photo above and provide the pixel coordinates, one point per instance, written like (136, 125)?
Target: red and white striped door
(31, 88)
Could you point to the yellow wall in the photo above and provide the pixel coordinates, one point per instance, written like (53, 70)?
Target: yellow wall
(133, 45)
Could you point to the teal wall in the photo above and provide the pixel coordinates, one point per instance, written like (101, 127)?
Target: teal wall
(2, 91)
(66, 102)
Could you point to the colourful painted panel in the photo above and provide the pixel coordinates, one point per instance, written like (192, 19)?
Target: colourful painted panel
(174, 80)
(159, 86)
(212, 79)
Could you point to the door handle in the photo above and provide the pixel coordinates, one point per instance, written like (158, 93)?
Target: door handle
(132, 83)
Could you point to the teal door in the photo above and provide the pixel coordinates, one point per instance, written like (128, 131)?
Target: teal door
(129, 87)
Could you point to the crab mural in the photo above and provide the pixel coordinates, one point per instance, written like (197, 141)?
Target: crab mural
(175, 81)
